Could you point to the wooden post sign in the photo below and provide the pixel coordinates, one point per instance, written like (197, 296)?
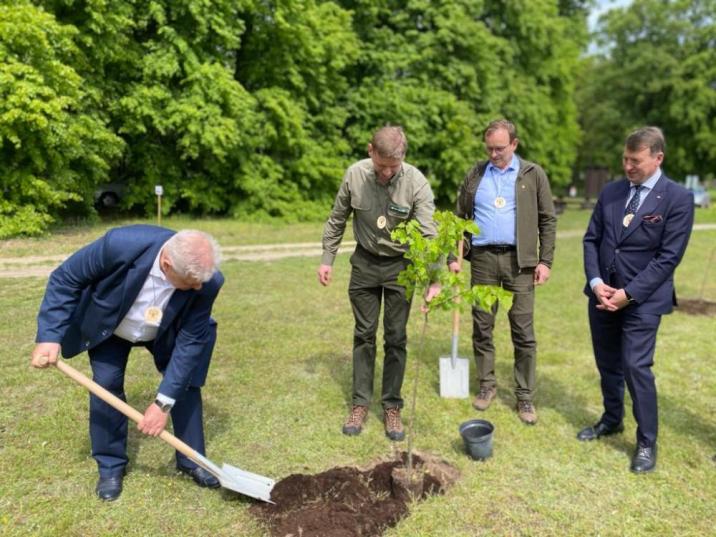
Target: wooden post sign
(159, 191)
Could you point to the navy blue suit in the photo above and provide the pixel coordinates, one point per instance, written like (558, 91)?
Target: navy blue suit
(640, 259)
(87, 297)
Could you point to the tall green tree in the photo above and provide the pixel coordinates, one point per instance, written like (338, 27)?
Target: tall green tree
(444, 69)
(55, 143)
(250, 107)
(659, 69)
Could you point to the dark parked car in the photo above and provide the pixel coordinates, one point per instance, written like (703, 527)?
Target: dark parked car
(108, 196)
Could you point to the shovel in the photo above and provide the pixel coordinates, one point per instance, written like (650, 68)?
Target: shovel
(454, 371)
(230, 477)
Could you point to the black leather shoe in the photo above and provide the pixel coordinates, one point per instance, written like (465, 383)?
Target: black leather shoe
(201, 477)
(109, 488)
(644, 459)
(598, 430)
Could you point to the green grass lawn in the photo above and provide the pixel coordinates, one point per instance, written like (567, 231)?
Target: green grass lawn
(279, 388)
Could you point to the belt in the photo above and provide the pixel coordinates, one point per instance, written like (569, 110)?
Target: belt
(365, 252)
(496, 248)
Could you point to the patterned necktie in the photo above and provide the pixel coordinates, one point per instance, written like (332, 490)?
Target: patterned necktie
(633, 204)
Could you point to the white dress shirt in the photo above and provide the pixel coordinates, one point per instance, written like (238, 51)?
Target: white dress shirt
(156, 291)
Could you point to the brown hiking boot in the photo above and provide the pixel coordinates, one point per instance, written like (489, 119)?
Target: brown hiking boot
(484, 398)
(393, 425)
(354, 423)
(527, 413)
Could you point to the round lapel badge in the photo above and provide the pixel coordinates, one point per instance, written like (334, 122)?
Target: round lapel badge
(153, 316)
(381, 222)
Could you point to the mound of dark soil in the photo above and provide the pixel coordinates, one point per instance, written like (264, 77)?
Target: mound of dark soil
(697, 307)
(346, 501)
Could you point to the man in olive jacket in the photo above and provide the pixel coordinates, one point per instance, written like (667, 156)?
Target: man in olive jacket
(510, 200)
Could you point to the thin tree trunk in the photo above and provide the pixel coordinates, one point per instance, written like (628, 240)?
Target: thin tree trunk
(414, 397)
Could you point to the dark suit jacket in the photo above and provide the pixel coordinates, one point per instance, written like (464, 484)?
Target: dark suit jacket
(89, 294)
(642, 258)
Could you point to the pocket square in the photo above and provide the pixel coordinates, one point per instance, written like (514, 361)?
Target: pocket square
(652, 218)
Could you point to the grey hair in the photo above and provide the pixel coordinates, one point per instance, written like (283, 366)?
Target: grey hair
(650, 137)
(390, 142)
(193, 254)
(501, 124)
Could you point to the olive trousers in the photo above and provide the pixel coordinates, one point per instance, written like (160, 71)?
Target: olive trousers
(374, 279)
(495, 266)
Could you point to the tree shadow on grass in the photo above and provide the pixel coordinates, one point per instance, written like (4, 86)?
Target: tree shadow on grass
(338, 366)
(684, 422)
(673, 414)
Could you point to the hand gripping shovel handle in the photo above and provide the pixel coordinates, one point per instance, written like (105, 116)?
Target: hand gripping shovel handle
(130, 412)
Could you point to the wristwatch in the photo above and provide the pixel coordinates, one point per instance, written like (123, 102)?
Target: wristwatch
(164, 407)
(628, 297)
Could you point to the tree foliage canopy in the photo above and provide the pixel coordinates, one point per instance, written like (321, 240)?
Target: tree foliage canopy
(249, 107)
(660, 69)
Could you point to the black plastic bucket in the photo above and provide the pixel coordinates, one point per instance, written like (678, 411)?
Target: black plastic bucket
(477, 436)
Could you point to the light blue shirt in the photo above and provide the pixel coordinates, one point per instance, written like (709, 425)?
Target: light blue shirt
(497, 224)
(646, 188)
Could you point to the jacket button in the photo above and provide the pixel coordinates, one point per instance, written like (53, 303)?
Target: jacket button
(105, 332)
(87, 343)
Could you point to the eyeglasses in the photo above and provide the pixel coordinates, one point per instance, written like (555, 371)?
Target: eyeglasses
(496, 149)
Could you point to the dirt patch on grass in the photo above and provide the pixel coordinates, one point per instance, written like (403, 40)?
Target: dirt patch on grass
(697, 307)
(347, 501)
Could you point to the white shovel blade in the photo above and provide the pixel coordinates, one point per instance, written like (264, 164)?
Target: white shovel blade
(243, 482)
(454, 378)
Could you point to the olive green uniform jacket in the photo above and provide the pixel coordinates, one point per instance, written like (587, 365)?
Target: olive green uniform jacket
(378, 209)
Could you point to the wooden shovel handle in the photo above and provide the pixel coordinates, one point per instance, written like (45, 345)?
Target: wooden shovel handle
(123, 407)
(456, 311)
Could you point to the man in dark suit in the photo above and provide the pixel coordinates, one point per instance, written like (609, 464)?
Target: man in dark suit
(137, 286)
(636, 238)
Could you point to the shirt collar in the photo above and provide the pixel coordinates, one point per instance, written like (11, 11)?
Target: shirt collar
(156, 269)
(513, 166)
(392, 180)
(651, 181)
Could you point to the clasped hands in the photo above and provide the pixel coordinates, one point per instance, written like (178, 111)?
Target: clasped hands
(609, 298)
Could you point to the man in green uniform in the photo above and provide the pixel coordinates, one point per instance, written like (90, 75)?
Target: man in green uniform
(381, 191)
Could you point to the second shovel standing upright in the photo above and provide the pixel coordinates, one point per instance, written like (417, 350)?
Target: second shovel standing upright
(454, 371)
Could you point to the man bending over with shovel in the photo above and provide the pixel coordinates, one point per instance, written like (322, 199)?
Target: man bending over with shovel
(381, 191)
(137, 286)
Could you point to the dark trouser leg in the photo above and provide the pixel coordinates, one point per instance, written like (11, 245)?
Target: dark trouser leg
(607, 343)
(108, 427)
(395, 320)
(483, 323)
(521, 316)
(365, 300)
(638, 344)
(484, 269)
(188, 422)
(187, 412)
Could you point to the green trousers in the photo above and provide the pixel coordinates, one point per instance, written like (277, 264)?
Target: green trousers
(374, 278)
(489, 267)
